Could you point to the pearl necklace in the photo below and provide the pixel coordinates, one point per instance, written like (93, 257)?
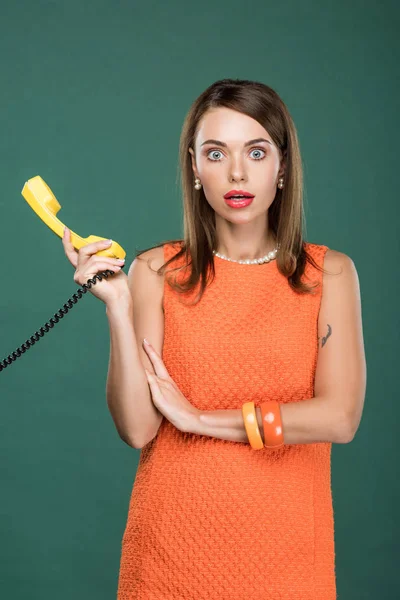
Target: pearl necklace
(255, 261)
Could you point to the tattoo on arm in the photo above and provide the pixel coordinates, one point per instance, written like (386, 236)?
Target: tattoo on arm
(324, 338)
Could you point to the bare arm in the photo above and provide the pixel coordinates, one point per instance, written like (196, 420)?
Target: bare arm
(334, 413)
(128, 394)
(304, 422)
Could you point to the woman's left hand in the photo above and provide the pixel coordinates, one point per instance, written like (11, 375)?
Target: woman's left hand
(166, 395)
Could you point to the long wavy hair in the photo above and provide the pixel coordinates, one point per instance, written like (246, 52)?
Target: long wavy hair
(286, 213)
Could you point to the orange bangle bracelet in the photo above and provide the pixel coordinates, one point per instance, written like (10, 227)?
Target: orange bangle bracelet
(272, 424)
(251, 426)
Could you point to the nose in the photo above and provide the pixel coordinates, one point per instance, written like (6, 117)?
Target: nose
(237, 170)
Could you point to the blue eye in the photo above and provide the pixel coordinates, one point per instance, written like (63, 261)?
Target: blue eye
(258, 150)
(213, 151)
(219, 152)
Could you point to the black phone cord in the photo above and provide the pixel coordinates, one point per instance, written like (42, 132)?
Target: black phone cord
(57, 316)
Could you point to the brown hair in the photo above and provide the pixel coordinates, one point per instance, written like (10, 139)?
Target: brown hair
(286, 214)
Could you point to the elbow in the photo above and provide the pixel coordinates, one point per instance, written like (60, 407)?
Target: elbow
(129, 441)
(345, 431)
(133, 444)
(138, 444)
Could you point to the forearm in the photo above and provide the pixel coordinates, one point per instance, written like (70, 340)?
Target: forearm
(305, 422)
(127, 390)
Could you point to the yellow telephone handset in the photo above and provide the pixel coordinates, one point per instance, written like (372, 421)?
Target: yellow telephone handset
(40, 197)
(42, 200)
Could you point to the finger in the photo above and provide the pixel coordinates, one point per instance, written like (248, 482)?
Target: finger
(95, 265)
(155, 390)
(94, 247)
(117, 262)
(82, 276)
(156, 360)
(69, 249)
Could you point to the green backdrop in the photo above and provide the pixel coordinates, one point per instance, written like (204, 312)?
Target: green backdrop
(93, 96)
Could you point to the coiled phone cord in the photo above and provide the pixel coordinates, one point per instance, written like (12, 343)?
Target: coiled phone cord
(57, 316)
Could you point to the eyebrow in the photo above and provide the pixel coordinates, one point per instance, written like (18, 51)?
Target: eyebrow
(249, 143)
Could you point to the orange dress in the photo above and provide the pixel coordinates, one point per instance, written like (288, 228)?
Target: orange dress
(211, 518)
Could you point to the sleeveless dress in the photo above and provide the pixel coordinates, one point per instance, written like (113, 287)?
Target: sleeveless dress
(211, 518)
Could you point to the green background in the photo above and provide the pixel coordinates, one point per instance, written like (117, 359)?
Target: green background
(93, 97)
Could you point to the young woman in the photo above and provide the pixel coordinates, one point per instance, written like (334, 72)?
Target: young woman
(255, 367)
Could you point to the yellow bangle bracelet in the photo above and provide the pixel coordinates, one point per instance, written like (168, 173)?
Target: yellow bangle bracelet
(251, 426)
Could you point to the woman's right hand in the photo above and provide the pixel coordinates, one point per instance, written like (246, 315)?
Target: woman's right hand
(87, 265)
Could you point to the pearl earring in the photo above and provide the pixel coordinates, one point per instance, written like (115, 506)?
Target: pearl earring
(280, 182)
(197, 183)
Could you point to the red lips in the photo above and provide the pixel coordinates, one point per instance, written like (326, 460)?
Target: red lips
(238, 193)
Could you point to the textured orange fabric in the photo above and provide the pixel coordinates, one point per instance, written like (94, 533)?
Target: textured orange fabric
(211, 518)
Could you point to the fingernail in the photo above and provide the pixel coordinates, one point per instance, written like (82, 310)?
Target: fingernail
(107, 242)
(146, 341)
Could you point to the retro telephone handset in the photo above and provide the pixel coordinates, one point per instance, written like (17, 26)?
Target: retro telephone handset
(40, 197)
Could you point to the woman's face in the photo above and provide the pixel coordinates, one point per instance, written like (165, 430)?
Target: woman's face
(228, 163)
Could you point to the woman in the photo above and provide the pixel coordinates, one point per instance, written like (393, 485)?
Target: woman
(255, 344)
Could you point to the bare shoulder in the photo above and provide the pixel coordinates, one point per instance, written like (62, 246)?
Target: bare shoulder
(334, 258)
(153, 257)
(149, 261)
(337, 264)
